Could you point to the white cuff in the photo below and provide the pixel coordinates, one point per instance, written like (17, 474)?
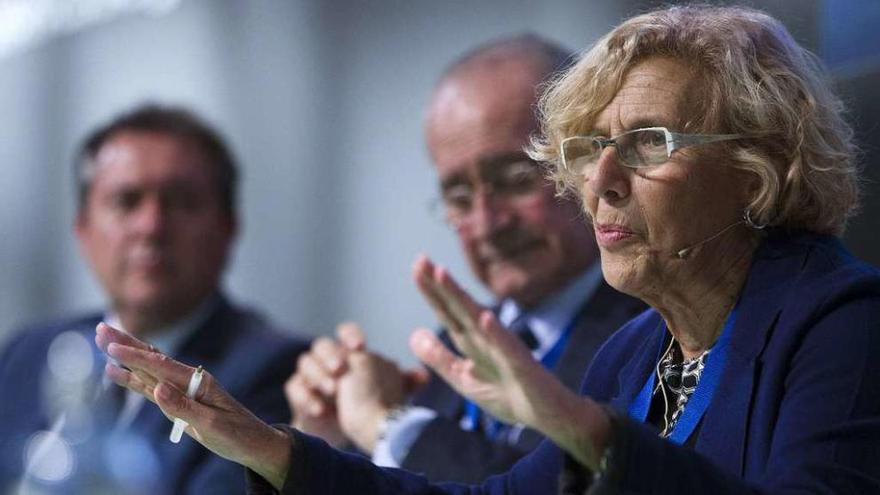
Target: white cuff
(400, 433)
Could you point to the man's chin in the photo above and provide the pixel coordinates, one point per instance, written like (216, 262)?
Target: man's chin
(525, 282)
(159, 300)
(510, 282)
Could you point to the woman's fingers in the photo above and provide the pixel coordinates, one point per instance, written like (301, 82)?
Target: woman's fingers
(154, 366)
(423, 272)
(462, 314)
(175, 404)
(215, 419)
(453, 306)
(105, 335)
(129, 380)
(500, 339)
(431, 351)
(456, 299)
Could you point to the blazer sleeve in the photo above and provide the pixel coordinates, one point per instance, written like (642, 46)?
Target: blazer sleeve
(318, 468)
(826, 432)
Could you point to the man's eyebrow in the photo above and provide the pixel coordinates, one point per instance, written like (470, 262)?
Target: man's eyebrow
(491, 163)
(488, 167)
(452, 180)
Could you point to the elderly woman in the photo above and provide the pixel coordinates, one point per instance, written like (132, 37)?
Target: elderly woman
(714, 163)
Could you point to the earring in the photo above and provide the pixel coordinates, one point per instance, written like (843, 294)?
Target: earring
(747, 218)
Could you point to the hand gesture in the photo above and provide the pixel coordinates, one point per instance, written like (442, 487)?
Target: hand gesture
(498, 372)
(216, 420)
(369, 390)
(342, 392)
(311, 390)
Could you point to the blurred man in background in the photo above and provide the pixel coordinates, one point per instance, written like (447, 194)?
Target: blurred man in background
(156, 220)
(533, 250)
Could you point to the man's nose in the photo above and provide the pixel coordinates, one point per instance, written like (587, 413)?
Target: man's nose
(490, 213)
(151, 217)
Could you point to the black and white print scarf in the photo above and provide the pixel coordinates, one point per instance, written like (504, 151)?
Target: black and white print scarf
(681, 379)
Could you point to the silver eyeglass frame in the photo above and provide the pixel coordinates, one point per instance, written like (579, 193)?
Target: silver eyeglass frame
(674, 141)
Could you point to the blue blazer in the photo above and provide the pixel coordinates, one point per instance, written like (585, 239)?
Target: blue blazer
(797, 409)
(237, 346)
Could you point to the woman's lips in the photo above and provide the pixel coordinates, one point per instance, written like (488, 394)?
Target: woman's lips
(608, 235)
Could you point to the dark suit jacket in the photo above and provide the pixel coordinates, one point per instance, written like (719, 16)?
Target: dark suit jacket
(236, 346)
(445, 452)
(797, 409)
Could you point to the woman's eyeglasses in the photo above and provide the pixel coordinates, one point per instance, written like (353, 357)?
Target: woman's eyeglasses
(636, 148)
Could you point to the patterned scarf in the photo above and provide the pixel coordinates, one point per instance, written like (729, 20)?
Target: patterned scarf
(681, 379)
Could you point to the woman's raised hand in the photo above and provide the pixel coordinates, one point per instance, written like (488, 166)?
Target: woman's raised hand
(498, 372)
(216, 419)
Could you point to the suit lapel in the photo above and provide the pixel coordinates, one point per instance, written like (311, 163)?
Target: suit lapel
(633, 374)
(724, 434)
(599, 317)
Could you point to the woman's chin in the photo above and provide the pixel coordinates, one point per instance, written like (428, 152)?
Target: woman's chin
(620, 275)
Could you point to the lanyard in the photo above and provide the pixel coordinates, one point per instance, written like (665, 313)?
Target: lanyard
(471, 420)
(699, 401)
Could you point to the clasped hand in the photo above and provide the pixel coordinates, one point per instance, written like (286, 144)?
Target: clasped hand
(342, 392)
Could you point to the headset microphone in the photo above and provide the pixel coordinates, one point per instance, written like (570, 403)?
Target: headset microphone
(683, 253)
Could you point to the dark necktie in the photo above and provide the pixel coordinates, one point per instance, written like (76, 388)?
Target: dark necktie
(109, 403)
(526, 335)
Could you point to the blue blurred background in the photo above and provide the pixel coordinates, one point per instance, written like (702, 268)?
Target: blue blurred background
(323, 102)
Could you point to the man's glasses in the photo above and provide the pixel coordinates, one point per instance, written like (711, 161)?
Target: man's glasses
(635, 149)
(510, 182)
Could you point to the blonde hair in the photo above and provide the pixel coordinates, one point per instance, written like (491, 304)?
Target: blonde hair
(756, 80)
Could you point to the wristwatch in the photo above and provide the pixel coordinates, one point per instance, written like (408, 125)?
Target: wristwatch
(393, 415)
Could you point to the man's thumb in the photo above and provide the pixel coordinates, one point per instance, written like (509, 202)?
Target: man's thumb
(414, 379)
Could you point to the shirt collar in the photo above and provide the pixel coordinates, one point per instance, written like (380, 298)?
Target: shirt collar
(170, 338)
(550, 318)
